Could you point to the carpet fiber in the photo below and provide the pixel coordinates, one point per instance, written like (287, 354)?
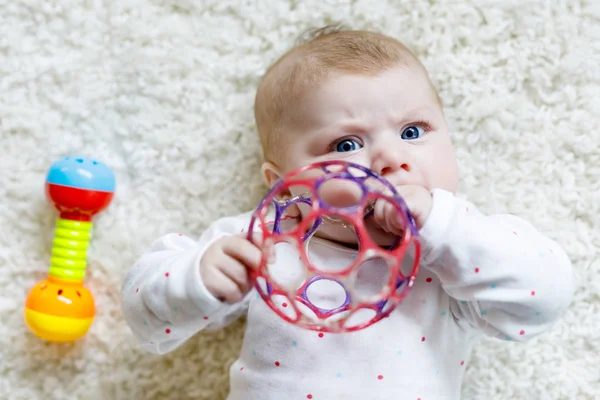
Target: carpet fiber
(162, 91)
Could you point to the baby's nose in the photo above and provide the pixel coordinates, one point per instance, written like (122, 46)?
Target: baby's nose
(390, 160)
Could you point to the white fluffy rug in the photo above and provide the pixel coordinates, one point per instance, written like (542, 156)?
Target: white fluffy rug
(162, 91)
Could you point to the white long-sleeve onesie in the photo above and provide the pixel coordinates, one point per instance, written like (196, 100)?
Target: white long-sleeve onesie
(491, 275)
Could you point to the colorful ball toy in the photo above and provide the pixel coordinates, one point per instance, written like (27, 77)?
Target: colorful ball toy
(323, 294)
(60, 308)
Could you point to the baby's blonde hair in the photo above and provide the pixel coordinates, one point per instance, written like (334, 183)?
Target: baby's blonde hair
(317, 53)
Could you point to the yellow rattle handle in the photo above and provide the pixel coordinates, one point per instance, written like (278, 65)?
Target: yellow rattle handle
(69, 250)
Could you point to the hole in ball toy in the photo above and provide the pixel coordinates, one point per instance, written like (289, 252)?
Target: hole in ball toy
(409, 265)
(284, 213)
(334, 232)
(287, 269)
(262, 287)
(344, 170)
(340, 193)
(334, 168)
(309, 312)
(79, 160)
(337, 317)
(359, 317)
(358, 173)
(326, 294)
(379, 186)
(371, 279)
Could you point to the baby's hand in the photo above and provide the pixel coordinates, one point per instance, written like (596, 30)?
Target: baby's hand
(419, 202)
(225, 265)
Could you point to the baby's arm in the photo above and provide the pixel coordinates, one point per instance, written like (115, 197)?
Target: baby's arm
(504, 278)
(165, 301)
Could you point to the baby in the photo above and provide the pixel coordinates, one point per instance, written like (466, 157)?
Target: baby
(362, 97)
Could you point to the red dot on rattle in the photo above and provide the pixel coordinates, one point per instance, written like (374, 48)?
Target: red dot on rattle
(462, 363)
(309, 396)
(205, 318)
(60, 292)
(167, 274)
(533, 292)
(423, 339)
(284, 305)
(428, 280)
(522, 332)
(167, 331)
(277, 363)
(380, 377)
(321, 334)
(137, 290)
(476, 270)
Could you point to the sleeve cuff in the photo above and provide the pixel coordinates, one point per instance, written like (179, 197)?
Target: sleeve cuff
(438, 223)
(196, 289)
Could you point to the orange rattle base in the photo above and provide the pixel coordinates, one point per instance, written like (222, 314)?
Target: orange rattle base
(59, 311)
(56, 329)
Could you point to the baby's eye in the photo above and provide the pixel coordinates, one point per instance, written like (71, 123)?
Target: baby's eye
(412, 132)
(347, 145)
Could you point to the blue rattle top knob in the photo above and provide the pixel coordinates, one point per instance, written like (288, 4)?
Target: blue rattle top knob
(82, 173)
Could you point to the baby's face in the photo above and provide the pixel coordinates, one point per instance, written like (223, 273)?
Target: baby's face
(391, 123)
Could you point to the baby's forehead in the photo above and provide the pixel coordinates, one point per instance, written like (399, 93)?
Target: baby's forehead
(405, 86)
(305, 68)
(298, 69)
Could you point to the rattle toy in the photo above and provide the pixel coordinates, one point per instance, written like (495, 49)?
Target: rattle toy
(60, 308)
(298, 207)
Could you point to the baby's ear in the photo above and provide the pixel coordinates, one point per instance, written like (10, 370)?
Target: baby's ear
(270, 173)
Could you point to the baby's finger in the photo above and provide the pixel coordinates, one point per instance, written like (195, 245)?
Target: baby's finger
(379, 213)
(223, 288)
(244, 251)
(418, 200)
(394, 218)
(377, 186)
(234, 270)
(267, 248)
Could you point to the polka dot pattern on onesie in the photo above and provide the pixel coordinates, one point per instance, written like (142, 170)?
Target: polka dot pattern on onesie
(481, 271)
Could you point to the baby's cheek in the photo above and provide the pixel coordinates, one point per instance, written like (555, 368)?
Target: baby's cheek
(340, 193)
(441, 170)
